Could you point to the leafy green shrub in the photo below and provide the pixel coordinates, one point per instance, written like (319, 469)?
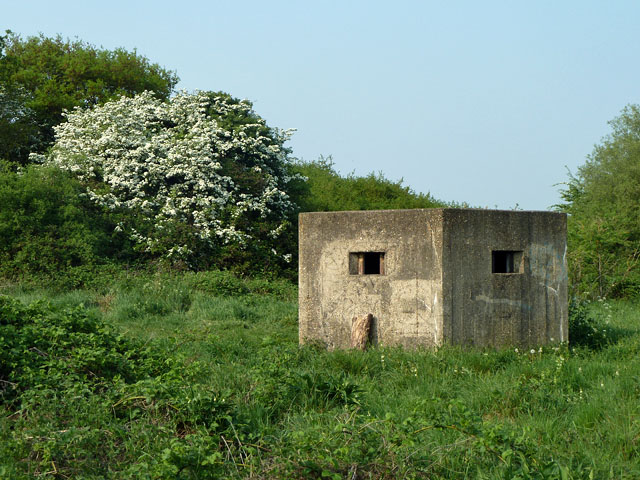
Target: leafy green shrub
(48, 229)
(585, 330)
(327, 190)
(40, 77)
(44, 348)
(87, 401)
(604, 219)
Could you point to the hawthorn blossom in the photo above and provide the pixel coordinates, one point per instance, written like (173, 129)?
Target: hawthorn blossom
(174, 168)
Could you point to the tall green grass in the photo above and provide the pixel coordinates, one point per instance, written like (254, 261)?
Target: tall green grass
(282, 411)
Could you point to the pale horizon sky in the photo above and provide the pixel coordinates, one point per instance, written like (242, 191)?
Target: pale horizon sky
(481, 102)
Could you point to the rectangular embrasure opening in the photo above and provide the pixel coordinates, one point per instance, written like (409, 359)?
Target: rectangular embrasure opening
(366, 263)
(506, 261)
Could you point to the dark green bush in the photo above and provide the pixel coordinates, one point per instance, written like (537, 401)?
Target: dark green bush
(327, 190)
(43, 348)
(585, 330)
(41, 77)
(604, 220)
(48, 230)
(227, 284)
(88, 401)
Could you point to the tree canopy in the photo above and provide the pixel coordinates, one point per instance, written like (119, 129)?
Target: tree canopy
(603, 201)
(40, 77)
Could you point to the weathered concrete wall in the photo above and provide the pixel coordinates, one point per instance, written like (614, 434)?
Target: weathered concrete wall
(406, 301)
(526, 308)
(438, 284)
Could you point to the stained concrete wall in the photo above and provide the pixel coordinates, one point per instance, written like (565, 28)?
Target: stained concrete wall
(497, 309)
(406, 301)
(438, 285)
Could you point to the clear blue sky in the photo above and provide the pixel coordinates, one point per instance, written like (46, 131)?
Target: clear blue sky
(484, 102)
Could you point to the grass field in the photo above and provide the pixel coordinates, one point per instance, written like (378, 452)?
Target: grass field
(202, 377)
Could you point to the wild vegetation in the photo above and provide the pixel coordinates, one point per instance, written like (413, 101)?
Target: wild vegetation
(199, 375)
(602, 200)
(148, 318)
(40, 77)
(326, 190)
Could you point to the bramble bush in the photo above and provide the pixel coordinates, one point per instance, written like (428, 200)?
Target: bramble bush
(86, 401)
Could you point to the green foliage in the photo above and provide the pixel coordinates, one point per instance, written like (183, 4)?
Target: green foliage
(326, 190)
(40, 77)
(18, 125)
(48, 230)
(585, 329)
(188, 192)
(604, 224)
(88, 401)
(226, 284)
(217, 387)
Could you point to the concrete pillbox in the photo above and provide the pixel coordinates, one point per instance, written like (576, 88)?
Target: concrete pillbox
(434, 276)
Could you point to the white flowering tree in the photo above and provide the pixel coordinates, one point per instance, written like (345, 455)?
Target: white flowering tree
(190, 178)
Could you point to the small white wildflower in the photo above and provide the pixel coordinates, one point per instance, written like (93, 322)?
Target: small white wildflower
(533, 351)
